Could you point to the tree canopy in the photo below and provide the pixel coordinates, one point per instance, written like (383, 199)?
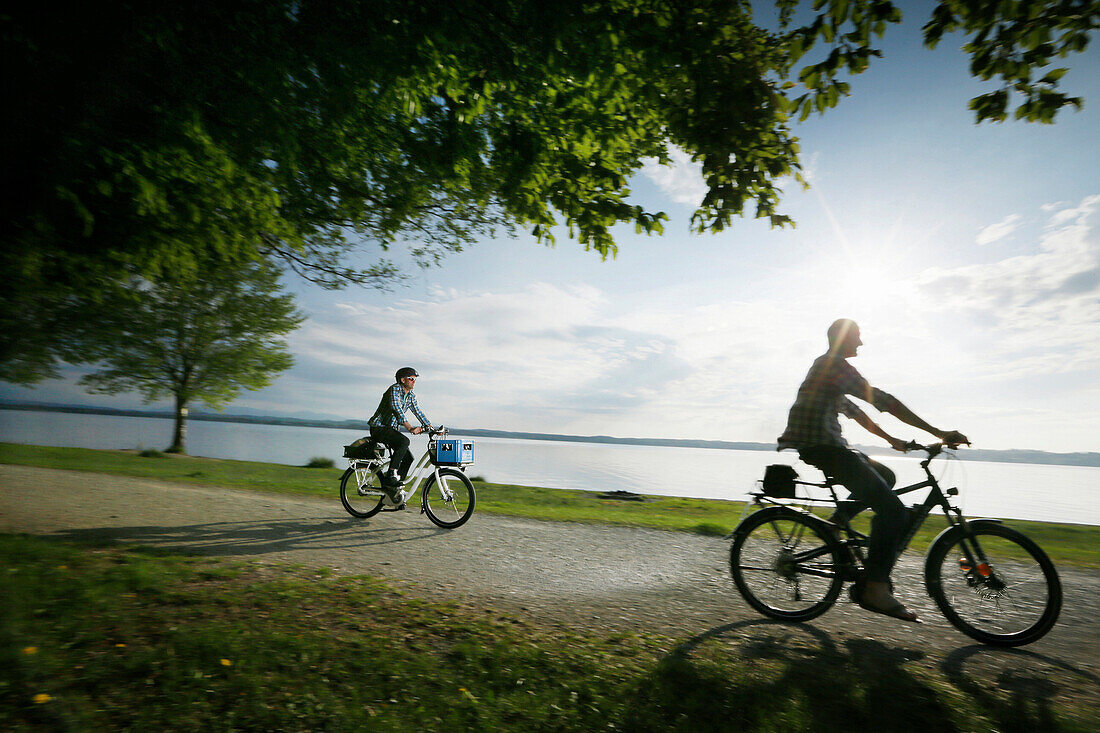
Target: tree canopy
(1015, 41)
(154, 135)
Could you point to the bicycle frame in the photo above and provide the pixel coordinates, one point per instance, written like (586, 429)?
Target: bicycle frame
(937, 497)
(365, 467)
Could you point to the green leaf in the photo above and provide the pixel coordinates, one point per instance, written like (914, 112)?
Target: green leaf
(1052, 77)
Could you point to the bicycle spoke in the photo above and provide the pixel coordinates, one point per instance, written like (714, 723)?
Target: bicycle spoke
(783, 566)
(1013, 598)
(449, 498)
(360, 492)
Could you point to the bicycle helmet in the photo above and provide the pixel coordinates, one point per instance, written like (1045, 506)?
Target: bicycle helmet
(404, 372)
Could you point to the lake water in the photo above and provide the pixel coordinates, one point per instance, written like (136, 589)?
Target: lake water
(1007, 490)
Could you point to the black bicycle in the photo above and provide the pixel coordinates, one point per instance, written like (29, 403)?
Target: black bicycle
(989, 580)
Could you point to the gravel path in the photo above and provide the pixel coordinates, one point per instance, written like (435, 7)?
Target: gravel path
(548, 572)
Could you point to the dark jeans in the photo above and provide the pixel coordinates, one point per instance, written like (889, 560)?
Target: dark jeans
(869, 483)
(399, 444)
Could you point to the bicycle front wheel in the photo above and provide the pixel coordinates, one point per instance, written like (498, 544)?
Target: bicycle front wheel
(361, 495)
(785, 565)
(449, 502)
(994, 584)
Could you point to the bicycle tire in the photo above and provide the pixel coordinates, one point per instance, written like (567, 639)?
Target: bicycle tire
(362, 501)
(1013, 600)
(785, 564)
(450, 502)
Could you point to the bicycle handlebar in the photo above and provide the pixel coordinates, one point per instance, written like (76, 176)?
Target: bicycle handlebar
(932, 449)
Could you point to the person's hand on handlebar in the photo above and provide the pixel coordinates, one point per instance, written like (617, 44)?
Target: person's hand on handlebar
(899, 445)
(953, 439)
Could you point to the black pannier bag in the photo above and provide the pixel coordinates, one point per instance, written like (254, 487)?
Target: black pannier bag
(362, 448)
(779, 481)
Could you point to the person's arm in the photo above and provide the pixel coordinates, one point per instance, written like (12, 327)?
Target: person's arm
(849, 409)
(895, 407)
(424, 422)
(397, 404)
(874, 428)
(857, 386)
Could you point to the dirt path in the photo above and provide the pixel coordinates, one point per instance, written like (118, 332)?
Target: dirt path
(548, 572)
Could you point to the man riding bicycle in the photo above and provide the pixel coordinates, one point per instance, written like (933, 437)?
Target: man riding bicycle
(813, 429)
(385, 427)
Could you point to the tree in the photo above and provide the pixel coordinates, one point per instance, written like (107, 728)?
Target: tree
(1012, 41)
(159, 135)
(195, 338)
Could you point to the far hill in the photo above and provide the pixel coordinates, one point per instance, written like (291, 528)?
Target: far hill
(970, 454)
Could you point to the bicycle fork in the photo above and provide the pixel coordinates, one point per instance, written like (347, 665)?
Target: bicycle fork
(447, 494)
(973, 563)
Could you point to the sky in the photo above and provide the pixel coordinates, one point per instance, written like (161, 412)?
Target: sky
(969, 255)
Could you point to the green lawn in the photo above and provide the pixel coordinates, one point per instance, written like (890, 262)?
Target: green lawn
(110, 638)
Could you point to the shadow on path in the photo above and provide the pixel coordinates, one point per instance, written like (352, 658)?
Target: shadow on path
(797, 677)
(1015, 687)
(250, 538)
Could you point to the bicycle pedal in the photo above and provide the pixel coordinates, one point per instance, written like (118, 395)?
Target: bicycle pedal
(398, 508)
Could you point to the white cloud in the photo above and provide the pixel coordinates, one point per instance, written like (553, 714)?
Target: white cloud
(1040, 312)
(541, 358)
(682, 180)
(1000, 230)
(560, 359)
(960, 342)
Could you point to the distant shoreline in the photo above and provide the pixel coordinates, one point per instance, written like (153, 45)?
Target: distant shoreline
(996, 456)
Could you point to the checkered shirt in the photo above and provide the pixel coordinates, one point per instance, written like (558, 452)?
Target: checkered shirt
(391, 410)
(812, 420)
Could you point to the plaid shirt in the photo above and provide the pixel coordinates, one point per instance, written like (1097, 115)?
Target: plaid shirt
(391, 410)
(813, 417)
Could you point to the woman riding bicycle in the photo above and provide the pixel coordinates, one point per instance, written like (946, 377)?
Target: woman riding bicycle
(813, 429)
(385, 427)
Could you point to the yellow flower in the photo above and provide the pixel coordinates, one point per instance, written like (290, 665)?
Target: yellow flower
(227, 663)
(120, 645)
(30, 650)
(41, 698)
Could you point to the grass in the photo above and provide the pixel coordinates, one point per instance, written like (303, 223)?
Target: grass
(1067, 544)
(110, 638)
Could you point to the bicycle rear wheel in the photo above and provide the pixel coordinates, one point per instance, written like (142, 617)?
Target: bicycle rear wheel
(994, 584)
(785, 565)
(361, 497)
(450, 501)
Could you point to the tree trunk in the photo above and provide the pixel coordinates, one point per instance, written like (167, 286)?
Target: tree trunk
(179, 433)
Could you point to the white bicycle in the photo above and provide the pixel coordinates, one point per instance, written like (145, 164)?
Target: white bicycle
(448, 496)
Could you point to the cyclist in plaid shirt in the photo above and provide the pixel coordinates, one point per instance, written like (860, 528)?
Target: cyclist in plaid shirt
(385, 427)
(814, 430)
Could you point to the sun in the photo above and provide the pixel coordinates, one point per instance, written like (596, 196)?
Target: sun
(870, 288)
